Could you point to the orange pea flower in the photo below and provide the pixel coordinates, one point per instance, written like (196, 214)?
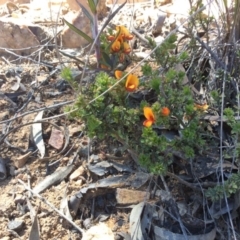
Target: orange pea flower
(116, 46)
(165, 111)
(150, 118)
(132, 83)
(124, 32)
(118, 74)
(126, 48)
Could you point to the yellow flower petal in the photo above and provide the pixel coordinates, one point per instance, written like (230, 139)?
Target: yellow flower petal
(124, 32)
(147, 123)
(132, 83)
(148, 114)
(116, 46)
(118, 74)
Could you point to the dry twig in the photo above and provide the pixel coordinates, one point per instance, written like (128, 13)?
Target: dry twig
(82, 231)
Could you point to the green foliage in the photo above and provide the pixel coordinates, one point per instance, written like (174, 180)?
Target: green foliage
(146, 70)
(111, 113)
(117, 114)
(163, 54)
(230, 186)
(93, 6)
(234, 124)
(66, 74)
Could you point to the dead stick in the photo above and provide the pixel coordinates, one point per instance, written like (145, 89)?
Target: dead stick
(184, 182)
(52, 207)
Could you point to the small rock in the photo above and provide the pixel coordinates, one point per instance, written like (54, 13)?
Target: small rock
(70, 39)
(78, 172)
(56, 139)
(15, 225)
(16, 36)
(20, 161)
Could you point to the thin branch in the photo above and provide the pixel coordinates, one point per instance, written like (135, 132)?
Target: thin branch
(183, 182)
(41, 109)
(26, 124)
(82, 231)
(213, 55)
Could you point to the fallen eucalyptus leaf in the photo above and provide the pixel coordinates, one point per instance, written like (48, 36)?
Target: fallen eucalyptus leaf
(164, 234)
(54, 178)
(37, 134)
(64, 206)
(135, 222)
(35, 230)
(103, 167)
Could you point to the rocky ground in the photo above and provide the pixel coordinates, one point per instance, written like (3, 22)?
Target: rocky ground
(104, 195)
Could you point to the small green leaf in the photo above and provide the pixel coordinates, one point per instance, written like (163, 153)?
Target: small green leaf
(107, 59)
(92, 6)
(86, 12)
(78, 31)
